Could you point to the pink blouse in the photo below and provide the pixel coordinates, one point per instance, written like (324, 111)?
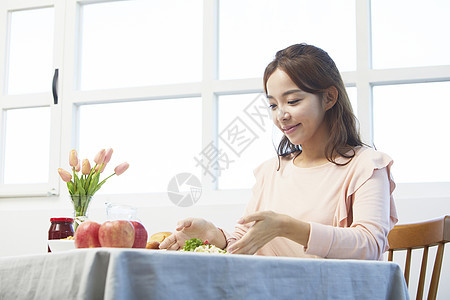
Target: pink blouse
(350, 208)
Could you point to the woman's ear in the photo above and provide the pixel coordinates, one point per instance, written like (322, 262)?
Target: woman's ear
(331, 97)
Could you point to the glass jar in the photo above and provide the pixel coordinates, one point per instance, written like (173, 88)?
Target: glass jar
(60, 229)
(120, 212)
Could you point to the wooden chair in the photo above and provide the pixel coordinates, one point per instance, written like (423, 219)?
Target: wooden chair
(421, 235)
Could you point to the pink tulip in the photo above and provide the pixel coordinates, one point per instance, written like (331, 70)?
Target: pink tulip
(100, 157)
(108, 155)
(121, 168)
(78, 167)
(65, 176)
(73, 158)
(86, 169)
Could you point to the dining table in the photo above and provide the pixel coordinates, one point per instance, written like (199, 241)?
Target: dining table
(114, 273)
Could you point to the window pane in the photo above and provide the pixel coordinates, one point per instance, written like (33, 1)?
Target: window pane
(27, 145)
(136, 43)
(410, 124)
(159, 139)
(250, 32)
(245, 137)
(31, 51)
(408, 33)
(352, 94)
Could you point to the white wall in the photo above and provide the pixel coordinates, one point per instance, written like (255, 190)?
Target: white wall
(24, 223)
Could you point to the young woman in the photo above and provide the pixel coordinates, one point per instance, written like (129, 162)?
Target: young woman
(326, 194)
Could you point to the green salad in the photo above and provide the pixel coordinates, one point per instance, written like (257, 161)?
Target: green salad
(197, 245)
(191, 244)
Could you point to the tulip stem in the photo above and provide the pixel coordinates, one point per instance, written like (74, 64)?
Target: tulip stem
(103, 181)
(89, 177)
(74, 180)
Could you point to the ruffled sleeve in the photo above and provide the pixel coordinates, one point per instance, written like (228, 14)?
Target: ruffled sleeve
(362, 170)
(365, 212)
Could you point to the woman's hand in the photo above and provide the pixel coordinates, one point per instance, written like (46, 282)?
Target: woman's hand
(267, 226)
(193, 228)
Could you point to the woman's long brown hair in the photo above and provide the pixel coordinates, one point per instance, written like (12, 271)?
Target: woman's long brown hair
(313, 71)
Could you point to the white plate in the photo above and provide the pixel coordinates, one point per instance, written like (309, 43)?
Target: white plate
(61, 245)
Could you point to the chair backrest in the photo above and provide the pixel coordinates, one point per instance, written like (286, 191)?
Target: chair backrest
(421, 235)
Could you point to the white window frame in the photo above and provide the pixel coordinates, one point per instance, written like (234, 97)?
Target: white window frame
(367, 78)
(209, 88)
(31, 100)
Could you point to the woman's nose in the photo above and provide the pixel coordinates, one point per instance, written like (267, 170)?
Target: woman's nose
(282, 114)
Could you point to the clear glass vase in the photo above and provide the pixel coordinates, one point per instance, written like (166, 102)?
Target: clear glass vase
(80, 206)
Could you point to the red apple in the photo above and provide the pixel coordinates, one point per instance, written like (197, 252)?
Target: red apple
(140, 235)
(117, 234)
(86, 235)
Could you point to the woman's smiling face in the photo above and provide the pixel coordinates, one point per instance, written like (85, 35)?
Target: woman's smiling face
(298, 114)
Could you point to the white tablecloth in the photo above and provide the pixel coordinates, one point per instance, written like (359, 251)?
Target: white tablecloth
(106, 273)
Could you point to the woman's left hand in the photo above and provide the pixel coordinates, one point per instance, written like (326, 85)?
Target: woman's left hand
(267, 226)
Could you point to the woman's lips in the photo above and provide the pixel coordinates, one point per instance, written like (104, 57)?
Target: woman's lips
(290, 129)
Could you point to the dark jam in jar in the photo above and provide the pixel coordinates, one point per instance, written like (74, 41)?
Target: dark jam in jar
(60, 229)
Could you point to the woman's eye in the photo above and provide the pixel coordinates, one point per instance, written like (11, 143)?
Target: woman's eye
(272, 106)
(294, 101)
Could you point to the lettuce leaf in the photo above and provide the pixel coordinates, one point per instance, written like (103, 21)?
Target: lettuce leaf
(191, 244)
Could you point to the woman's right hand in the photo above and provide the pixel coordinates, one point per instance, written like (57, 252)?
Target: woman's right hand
(188, 229)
